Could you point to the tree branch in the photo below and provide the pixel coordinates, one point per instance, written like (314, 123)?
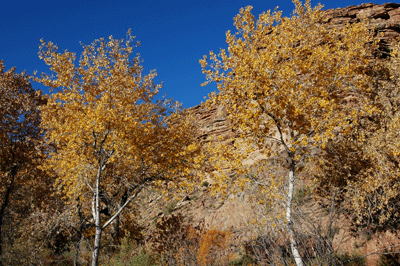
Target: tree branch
(138, 190)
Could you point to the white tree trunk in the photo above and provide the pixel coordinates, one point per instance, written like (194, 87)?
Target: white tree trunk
(293, 243)
(96, 217)
(96, 250)
(96, 213)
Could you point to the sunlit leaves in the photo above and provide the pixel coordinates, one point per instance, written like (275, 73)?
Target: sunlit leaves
(105, 96)
(286, 84)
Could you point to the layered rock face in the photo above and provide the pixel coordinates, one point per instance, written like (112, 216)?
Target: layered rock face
(213, 122)
(385, 19)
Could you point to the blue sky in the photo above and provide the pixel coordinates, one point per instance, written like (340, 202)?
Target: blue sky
(174, 35)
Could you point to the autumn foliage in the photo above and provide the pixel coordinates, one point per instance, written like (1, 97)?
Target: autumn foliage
(110, 136)
(106, 102)
(361, 169)
(21, 151)
(285, 83)
(180, 243)
(315, 117)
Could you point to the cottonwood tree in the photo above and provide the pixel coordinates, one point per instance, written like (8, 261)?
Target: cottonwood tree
(110, 134)
(286, 83)
(21, 139)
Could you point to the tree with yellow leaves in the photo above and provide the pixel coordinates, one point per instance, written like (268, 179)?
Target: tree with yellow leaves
(110, 137)
(286, 83)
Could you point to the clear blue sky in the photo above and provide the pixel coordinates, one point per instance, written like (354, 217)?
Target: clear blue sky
(174, 35)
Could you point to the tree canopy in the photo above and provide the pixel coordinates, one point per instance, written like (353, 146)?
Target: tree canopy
(21, 146)
(111, 136)
(288, 84)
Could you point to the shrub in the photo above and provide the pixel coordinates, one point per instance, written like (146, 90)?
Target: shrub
(129, 255)
(205, 184)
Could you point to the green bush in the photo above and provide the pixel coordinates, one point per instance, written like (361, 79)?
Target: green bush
(205, 184)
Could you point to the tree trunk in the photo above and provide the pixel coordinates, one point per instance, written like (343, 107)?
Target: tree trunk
(80, 233)
(96, 217)
(293, 243)
(96, 250)
(4, 204)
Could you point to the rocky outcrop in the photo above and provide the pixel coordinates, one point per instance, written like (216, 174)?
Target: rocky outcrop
(379, 14)
(385, 19)
(213, 123)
